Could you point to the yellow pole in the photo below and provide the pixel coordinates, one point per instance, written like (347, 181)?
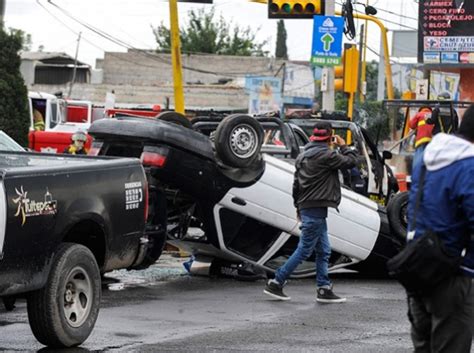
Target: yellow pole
(350, 113)
(350, 106)
(176, 58)
(388, 68)
(363, 73)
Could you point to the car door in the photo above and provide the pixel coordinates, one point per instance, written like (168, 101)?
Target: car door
(353, 228)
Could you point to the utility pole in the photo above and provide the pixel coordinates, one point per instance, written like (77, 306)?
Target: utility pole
(381, 75)
(176, 58)
(328, 94)
(75, 65)
(361, 82)
(363, 72)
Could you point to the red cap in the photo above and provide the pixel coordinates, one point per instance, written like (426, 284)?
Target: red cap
(320, 135)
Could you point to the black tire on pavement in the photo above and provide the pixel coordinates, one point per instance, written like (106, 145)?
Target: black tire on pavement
(9, 303)
(176, 118)
(238, 140)
(156, 226)
(397, 210)
(63, 312)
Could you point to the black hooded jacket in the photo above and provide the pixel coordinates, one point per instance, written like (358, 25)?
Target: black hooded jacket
(316, 182)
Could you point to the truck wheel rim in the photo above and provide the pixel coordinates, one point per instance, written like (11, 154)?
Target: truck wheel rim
(243, 141)
(78, 297)
(404, 214)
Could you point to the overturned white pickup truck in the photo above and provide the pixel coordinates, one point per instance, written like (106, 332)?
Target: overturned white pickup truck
(238, 198)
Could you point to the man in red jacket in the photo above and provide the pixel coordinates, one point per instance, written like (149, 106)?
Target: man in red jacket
(423, 125)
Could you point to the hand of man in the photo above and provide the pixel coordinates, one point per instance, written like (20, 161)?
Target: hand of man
(338, 140)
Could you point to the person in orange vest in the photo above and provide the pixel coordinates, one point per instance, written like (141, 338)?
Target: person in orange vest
(79, 139)
(423, 124)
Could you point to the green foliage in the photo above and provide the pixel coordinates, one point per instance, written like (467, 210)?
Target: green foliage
(374, 119)
(23, 36)
(205, 34)
(371, 77)
(14, 113)
(372, 72)
(281, 50)
(340, 103)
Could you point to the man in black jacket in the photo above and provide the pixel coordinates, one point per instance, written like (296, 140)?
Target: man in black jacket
(316, 187)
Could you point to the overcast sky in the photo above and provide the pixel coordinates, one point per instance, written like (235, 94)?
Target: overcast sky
(130, 21)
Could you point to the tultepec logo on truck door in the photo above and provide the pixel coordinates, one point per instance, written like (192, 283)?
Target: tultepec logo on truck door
(30, 208)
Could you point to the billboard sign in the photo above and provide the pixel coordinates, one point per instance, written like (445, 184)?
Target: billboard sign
(264, 94)
(298, 81)
(444, 82)
(404, 44)
(446, 34)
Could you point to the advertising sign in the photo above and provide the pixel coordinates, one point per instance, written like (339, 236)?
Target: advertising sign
(444, 82)
(299, 81)
(422, 89)
(264, 94)
(327, 40)
(446, 34)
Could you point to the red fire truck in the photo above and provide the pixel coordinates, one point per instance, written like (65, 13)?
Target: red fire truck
(53, 119)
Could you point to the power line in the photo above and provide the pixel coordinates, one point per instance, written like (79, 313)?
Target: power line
(392, 22)
(118, 56)
(397, 14)
(386, 20)
(125, 45)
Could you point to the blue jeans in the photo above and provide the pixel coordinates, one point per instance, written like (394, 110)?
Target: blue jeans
(418, 156)
(314, 236)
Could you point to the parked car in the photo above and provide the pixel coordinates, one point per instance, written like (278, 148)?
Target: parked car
(9, 144)
(65, 220)
(238, 196)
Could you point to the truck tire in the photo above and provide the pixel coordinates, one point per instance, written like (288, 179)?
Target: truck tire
(9, 303)
(238, 140)
(176, 118)
(63, 312)
(397, 210)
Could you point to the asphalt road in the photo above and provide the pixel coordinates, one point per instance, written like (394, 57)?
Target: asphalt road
(162, 309)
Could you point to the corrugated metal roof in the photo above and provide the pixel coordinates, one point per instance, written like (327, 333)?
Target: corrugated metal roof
(40, 56)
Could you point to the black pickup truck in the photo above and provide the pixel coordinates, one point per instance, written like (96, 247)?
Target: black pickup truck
(64, 220)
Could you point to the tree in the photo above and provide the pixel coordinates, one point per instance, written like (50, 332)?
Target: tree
(371, 114)
(14, 114)
(205, 34)
(24, 37)
(281, 50)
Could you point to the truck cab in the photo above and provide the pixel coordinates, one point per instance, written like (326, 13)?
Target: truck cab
(50, 129)
(48, 107)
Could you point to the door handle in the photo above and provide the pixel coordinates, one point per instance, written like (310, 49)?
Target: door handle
(238, 201)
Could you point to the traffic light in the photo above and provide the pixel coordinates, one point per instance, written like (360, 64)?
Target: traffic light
(346, 75)
(295, 8)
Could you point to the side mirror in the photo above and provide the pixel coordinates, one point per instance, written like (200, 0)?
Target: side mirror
(386, 155)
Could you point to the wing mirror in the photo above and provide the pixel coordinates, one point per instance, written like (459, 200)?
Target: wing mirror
(386, 155)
